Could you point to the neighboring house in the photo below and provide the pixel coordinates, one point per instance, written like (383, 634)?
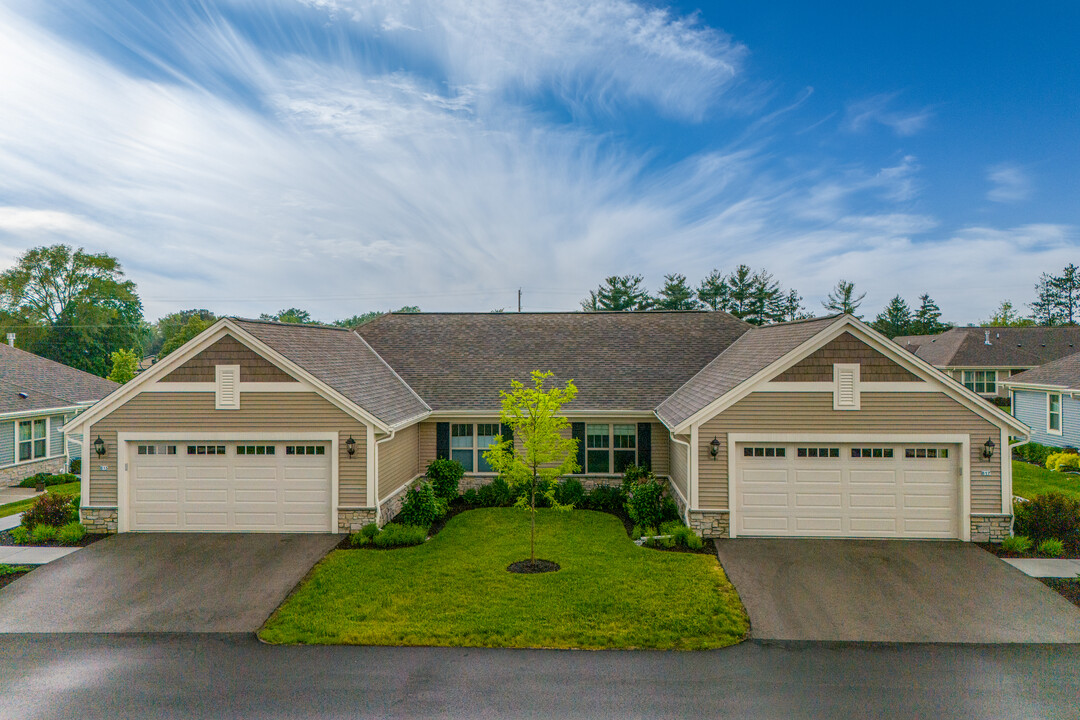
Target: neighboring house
(981, 358)
(816, 428)
(1046, 400)
(37, 397)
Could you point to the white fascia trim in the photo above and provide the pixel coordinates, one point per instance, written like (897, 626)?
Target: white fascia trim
(886, 347)
(828, 387)
(200, 342)
(964, 441)
(124, 438)
(24, 414)
(1038, 387)
(410, 421)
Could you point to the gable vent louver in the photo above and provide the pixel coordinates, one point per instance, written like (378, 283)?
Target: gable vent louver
(846, 386)
(227, 390)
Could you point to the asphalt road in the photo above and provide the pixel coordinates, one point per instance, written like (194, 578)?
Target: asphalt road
(233, 676)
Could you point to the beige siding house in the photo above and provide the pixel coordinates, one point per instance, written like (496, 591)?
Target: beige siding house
(818, 428)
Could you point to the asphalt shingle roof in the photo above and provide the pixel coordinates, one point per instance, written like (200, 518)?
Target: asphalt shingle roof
(344, 361)
(1019, 347)
(1063, 373)
(751, 353)
(47, 384)
(619, 361)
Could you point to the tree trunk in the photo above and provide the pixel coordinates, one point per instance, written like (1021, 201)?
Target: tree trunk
(532, 518)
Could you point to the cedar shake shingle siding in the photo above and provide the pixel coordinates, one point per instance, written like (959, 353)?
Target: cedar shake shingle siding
(228, 351)
(619, 361)
(874, 367)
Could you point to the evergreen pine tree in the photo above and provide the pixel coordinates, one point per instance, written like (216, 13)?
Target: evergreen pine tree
(676, 295)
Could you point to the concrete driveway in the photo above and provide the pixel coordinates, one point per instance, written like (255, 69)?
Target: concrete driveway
(163, 582)
(891, 591)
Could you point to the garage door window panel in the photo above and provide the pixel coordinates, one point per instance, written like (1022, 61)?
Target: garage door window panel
(818, 452)
(764, 452)
(255, 450)
(205, 449)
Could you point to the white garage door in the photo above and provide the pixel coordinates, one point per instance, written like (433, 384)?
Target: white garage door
(847, 490)
(229, 486)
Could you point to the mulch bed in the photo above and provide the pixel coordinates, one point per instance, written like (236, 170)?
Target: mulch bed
(88, 539)
(707, 548)
(1066, 587)
(8, 579)
(1001, 552)
(528, 567)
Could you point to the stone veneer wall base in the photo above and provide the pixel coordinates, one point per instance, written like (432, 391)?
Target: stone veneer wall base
(17, 473)
(990, 528)
(710, 523)
(98, 519)
(351, 520)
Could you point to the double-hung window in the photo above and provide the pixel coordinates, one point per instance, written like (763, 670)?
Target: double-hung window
(1053, 413)
(981, 381)
(33, 440)
(597, 448)
(624, 439)
(469, 442)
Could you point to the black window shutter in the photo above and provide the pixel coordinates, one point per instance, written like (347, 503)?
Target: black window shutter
(506, 432)
(577, 431)
(644, 445)
(442, 440)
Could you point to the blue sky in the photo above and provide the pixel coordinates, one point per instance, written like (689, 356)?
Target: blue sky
(347, 155)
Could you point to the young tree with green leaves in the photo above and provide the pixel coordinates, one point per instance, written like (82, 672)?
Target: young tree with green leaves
(842, 299)
(537, 453)
(895, 319)
(618, 293)
(676, 295)
(125, 363)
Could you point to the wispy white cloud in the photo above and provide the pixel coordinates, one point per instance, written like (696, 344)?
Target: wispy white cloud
(1009, 184)
(881, 110)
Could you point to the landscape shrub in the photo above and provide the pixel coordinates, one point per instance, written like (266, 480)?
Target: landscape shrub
(1063, 462)
(48, 509)
(370, 530)
(42, 533)
(358, 539)
(20, 535)
(571, 492)
(1016, 543)
(421, 507)
(471, 497)
(1047, 516)
(606, 498)
(48, 480)
(1051, 548)
(643, 506)
(445, 476)
(1001, 402)
(1035, 453)
(636, 533)
(633, 476)
(6, 569)
(395, 535)
(75, 466)
(76, 503)
(669, 509)
(71, 533)
(494, 494)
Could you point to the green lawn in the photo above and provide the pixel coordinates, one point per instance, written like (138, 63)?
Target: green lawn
(19, 506)
(455, 590)
(1031, 480)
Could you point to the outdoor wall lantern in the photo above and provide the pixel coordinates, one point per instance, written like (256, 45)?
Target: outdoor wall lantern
(714, 447)
(988, 448)
(350, 446)
(99, 446)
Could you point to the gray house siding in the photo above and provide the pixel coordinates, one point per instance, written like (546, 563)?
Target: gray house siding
(1029, 406)
(7, 443)
(56, 438)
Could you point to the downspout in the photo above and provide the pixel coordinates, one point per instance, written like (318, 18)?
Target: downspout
(686, 513)
(378, 506)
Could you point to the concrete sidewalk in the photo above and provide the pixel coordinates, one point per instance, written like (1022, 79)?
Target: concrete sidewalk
(15, 494)
(11, 521)
(1046, 567)
(18, 555)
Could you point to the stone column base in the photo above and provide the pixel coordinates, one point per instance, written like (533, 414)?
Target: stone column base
(350, 521)
(98, 520)
(17, 473)
(710, 523)
(990, 528)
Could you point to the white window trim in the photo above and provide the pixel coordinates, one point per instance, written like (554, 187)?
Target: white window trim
(839, 371)
(48, 440)
(988, 376)
(610, 448)
(476, 451)
(1060, 414)
(226, 374)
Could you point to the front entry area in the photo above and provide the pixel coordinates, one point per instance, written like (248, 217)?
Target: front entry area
(868, 490)
(216, 486)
